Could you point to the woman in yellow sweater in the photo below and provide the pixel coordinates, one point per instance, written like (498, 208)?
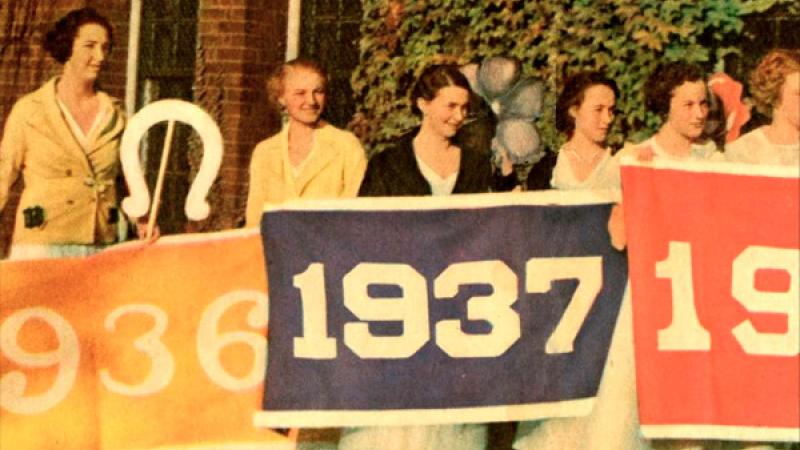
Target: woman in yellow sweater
(308, 158)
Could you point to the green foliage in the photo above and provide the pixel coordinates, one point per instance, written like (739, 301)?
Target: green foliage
(624, 38)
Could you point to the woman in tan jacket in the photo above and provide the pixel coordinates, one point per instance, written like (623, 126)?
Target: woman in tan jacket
(308, 158)
(64, 140)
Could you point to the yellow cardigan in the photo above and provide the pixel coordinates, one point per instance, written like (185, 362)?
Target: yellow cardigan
(73, 188)
(334, 168)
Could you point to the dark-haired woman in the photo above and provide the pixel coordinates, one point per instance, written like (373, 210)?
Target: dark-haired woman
(428, 162)
(584, 113)
(64, 140)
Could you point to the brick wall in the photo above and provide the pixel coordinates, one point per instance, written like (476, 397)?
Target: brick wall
(240, 42)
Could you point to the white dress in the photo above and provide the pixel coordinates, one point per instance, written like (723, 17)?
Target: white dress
(613, 422)
(604, 176)
(755, 148)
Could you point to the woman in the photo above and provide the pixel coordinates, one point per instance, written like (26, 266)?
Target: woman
(308, 158)
(64, 139)
(584, 113)
(775, 87)
(427, 162)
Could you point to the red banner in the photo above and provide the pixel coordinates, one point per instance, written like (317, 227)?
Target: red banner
(713, 253)
(139, 347)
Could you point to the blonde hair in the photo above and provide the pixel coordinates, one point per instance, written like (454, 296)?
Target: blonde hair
(275, 82)
(766, 80)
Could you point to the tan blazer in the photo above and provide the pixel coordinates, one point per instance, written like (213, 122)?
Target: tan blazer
(334, 168)
(73, 187)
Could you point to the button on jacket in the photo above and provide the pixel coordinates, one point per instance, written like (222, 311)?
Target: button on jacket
(74, 187)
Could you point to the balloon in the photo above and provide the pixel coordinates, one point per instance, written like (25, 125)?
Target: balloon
(520, 139)
(523, 101)
(496, 75)
(470, 71)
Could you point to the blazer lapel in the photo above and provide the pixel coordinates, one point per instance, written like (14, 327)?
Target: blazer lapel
(285, 167)
(110, 130)
(53, 125)
(322, 153)
(408, 175)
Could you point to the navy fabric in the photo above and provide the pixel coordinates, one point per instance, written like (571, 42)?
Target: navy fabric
(429, 241)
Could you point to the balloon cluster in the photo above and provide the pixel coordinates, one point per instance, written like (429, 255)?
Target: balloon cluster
(516, 101)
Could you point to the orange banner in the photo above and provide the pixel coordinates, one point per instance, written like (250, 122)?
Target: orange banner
(139, 347)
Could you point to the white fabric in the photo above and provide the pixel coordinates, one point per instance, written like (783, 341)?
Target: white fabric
(432, 437)
(41, 251)
(604, 176)
(755, 148)
(699, 152)
(85, 140)
(439, 185)
(613, 423)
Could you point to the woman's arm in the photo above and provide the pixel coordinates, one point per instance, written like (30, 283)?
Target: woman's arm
(255, 192)
(355, 166)
(12, 152)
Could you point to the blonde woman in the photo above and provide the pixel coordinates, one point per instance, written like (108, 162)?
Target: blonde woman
(775, 88)
(308, 158)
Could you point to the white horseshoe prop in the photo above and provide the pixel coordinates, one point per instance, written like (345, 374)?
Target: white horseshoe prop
(171, 110)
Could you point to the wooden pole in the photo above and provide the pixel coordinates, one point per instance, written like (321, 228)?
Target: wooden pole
(160, 181)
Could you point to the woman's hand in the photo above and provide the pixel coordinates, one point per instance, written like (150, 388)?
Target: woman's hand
(141, 230)
(616, 227)
(504, 162)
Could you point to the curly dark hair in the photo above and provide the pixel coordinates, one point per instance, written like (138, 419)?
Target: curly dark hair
(275, 82)
(434, 78)
(59, 39)
(661, 84)
(573, 93)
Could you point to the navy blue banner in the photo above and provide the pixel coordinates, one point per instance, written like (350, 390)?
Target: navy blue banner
(444, 313)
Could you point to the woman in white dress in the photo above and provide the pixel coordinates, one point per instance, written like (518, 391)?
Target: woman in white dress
(585, 112)
(775, 88)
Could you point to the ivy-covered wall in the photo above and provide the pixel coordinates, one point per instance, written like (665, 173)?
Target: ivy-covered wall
(624, 38)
